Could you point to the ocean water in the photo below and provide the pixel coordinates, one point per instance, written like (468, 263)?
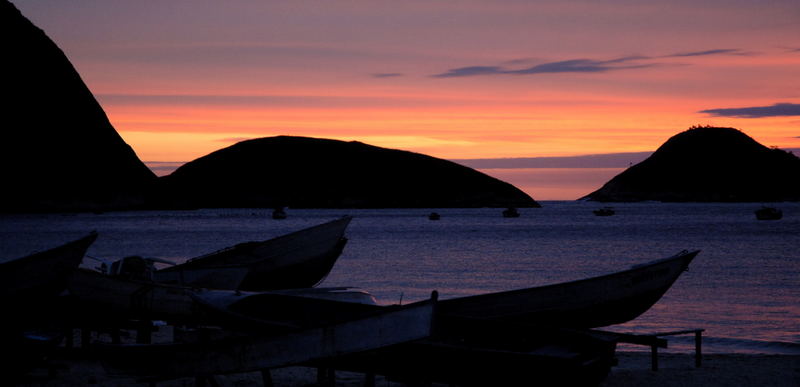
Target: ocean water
(743, 288)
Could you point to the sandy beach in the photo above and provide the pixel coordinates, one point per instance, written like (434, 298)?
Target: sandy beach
(633, 370)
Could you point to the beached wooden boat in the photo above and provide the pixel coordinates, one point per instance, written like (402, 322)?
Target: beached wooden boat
(297, 260)
(387, 327)
(587, 303)
(107, 300)
(41, 275)
(489, 352)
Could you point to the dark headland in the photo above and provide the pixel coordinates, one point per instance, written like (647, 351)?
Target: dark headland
(59, 151)
(321, 173)
(708, 164)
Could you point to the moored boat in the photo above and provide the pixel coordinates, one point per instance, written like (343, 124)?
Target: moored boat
(605, 211)
(768, 213)
(296, 260)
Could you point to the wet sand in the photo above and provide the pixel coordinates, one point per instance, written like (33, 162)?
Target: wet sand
(633, 370)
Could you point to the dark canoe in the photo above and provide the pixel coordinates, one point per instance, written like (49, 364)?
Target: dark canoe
(386, 327)
(41, 275)
(486, 352)
(297, 260)
(588, 303)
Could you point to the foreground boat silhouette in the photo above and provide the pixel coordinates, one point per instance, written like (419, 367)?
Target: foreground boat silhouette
(588, 303)
(255, 352)
(296, 260)
(41, 275)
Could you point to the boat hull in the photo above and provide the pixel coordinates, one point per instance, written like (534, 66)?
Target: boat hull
(594, 302)
(297, 260)
(41, 275)
(390, 326)
(484, 352)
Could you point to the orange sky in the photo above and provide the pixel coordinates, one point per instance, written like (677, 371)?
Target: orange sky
(456, 80)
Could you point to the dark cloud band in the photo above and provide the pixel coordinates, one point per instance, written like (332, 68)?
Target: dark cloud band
(776, 110)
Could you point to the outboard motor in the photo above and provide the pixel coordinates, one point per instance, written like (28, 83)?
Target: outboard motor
(134, 268)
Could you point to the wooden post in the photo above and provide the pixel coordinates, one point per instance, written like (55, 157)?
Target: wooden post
(86, 337)
(698, 348)
(369, 379)
(266, 377)
(70, 339)
(331, 377)
(144, 332)
(654, 358)
(320, 375)
(115, 336)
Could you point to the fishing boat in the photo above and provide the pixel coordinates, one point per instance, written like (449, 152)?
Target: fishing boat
(510, 212)
(768, 213)
(593, 302)
(588, 303)
(605, 211)
(387, 327)
(279, 213)
(479, 352)
(108, 300)
(297, 260)
(41, 275)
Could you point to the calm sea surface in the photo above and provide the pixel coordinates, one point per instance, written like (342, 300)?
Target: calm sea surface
(743, 288)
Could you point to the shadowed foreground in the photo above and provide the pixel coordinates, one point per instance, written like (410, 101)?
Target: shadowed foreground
(633, 370)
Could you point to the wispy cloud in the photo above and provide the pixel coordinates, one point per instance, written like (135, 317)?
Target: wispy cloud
(607, 160)
(471, 71)
(564, 66)
(582, 65)
(776, 110)
(721, 51)
(387, 75)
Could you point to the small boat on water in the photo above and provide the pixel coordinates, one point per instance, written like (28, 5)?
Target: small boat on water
(768, 213)
(510, 212)
(434, 216)
(605, 211)
(279, 213)
(297, 260)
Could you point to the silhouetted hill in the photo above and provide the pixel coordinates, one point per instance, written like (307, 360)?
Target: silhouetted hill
(321, 173)
(59, 151)
(708, 164)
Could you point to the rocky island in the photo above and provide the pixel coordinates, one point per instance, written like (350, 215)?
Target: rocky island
(322, 173)
(708, 164)
(59, 151)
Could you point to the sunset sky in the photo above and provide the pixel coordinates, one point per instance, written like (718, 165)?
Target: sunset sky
(452, 79)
